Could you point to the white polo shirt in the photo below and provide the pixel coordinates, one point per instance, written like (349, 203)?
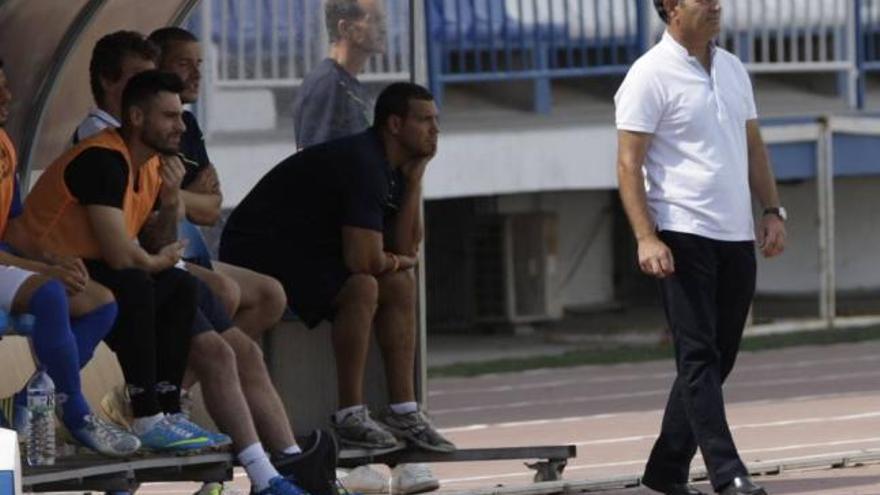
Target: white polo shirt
(697, 166)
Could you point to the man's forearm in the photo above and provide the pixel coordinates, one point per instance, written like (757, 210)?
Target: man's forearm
(408, 228)
(635, 202)
(761, 179)
(201, 208)
(162, 230)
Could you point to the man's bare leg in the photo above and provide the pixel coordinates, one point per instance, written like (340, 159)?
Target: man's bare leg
(266, 407)
(262, 299)
(355, 308)
(213, 362)
(396, 333)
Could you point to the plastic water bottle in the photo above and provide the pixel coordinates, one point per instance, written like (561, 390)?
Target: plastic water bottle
(41, 409)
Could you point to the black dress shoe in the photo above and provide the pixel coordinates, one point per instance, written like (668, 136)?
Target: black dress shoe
(742, 485)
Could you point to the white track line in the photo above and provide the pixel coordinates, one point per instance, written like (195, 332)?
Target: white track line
(645, 376)
(651, 393)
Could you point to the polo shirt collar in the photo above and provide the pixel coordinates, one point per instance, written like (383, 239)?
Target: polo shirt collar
(104, 117)
(679, 49)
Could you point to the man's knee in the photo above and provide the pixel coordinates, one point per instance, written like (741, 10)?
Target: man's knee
(247, 352)
(274, 297)
(359, 290)
(398, 288)
(211, 356)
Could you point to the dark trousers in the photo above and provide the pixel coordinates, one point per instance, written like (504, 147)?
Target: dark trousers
(151, 336)
(707, 302)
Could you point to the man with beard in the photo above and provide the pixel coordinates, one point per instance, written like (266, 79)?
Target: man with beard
(338, 224)
(91, 203)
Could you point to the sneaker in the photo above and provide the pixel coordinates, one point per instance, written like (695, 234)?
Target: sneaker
(168, 435)
(217, 439)
(281, 486)
(365, 480)
(116, 405)
(416, 428)
(314, 468)
(358, 429)
(408, 479)
(214, 488)
(105, 438)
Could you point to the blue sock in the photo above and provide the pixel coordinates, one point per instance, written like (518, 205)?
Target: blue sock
(55, 348)
(91, 328)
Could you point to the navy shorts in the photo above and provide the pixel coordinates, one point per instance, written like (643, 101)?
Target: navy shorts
(210, 313)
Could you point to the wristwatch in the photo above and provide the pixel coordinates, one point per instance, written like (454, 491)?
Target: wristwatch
(779, 211)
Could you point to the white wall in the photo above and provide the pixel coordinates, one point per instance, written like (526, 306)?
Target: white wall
(583, 271)
(857, 235)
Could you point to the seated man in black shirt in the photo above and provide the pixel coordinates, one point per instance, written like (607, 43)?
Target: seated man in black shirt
(339, 225)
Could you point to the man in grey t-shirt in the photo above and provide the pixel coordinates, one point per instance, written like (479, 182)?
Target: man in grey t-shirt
(332, 103)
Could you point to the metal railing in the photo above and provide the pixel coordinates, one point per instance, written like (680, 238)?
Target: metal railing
(275, 43)
(485, 40)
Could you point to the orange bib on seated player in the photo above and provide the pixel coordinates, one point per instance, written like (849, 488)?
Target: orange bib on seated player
(8, 162)
(55, 220)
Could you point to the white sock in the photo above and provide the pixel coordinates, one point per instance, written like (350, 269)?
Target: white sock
(292, 450)
(257, 465)
(405, 407)
(146, 423)
(342, 413)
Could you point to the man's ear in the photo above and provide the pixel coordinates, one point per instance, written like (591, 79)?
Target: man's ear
(136, 116)
(395, 123)
(669, 6)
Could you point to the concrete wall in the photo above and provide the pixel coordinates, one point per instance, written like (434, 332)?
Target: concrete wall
(582, 274)
(857, 234)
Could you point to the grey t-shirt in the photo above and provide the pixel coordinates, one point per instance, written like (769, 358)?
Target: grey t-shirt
(330, 104)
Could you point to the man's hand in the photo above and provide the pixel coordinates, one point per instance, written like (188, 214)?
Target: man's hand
(655, 257)
(771, 235)
(71, 274)
(414, 170)
(169, 255)
(171, 172)
(406, 262)
(206, 181)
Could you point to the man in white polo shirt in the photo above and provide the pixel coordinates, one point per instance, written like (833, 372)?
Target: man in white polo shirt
(690, 155)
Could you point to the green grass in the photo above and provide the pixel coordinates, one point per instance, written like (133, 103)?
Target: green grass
(636, 354)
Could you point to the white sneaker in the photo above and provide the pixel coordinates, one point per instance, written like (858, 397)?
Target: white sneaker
(365, 480)
(407, 479)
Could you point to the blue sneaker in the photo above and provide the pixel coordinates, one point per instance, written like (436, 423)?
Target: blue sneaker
(217, 439)
(167, 435)
(281, 486)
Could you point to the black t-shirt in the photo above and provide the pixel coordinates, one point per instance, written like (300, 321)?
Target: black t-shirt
(302, 204)
(99, 176)
(192, 147)
(330, 104)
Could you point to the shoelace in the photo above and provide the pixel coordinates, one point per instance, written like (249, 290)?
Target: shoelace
(105, 431)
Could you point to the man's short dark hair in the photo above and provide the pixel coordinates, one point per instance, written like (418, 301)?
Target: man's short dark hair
(143, 87)
(110, 51)
(394, 100)
(167, 37)
(661, 10)
(340, 10)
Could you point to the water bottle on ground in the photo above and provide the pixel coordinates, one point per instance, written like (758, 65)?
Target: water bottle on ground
(41, 412)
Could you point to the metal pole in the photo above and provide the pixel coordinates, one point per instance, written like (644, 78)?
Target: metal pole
(825, 191)
(419, 75)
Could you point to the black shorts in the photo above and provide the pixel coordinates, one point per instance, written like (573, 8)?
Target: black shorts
(311, 283)
(210, 314)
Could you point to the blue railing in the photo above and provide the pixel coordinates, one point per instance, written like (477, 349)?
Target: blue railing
(497, 40)
(540, 40)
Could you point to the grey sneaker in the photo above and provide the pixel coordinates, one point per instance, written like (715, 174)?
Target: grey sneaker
(106, 438)
(416, 428)
(358, 429)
